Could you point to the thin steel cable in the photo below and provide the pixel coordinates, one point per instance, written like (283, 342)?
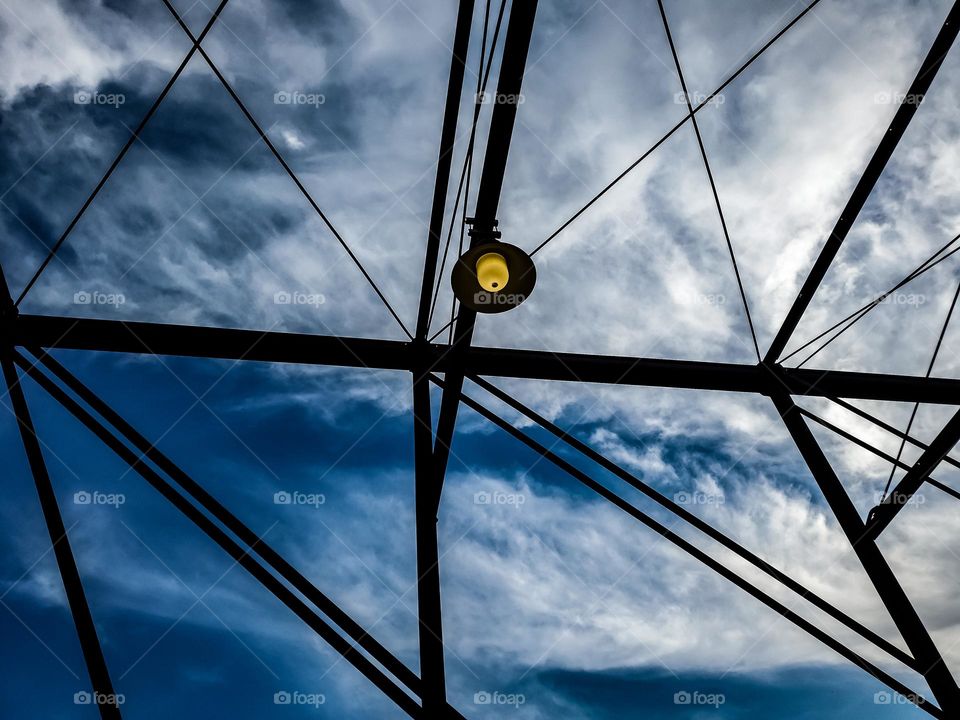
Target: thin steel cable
(916, 406)
(713, 184)
(287, 168)
(861, 313)
(876, 451)
(134, 136)
(439, 332)
(916, 272)
(463, 227)
(680, 124)
(886, 426)
(855, 316)
(464, 189)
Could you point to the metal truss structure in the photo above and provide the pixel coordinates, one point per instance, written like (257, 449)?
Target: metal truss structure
(424, 695)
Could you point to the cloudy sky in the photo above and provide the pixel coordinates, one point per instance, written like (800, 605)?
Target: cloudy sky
(552, 597)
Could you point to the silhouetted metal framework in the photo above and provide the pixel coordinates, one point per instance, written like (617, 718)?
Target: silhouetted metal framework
(423, 695)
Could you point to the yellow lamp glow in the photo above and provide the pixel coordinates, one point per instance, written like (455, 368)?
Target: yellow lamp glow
(493, 277)
(492, 272)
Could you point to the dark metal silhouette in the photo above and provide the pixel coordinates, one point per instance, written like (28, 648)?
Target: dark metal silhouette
(423, 695)
(473, 296)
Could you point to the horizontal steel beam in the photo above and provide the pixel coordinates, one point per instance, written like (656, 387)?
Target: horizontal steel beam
(220, 343)
(694, 375)
(225, 343)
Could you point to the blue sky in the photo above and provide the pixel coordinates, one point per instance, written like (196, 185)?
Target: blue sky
(145, 566)
(551, 595)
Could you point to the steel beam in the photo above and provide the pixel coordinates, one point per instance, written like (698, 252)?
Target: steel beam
(888, 144)
(253, 345)
(908, 622)
(207, 342)
(428, 557)
(867, 386)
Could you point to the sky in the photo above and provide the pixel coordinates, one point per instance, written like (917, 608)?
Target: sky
(556, 603)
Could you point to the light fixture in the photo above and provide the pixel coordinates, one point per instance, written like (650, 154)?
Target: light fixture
(493, 277)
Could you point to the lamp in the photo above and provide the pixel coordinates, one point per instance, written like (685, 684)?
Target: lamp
(493, 277)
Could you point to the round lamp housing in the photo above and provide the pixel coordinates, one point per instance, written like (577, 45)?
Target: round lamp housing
(493, 277)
